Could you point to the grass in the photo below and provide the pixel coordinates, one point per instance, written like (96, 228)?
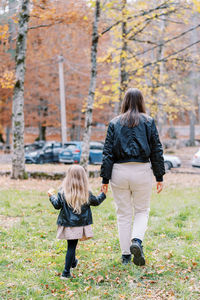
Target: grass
(32, 259)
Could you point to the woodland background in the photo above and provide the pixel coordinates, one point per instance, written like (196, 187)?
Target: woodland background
(152, 45)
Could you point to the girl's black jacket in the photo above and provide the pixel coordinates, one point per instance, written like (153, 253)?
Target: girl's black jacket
(67, 217)
(132, 144)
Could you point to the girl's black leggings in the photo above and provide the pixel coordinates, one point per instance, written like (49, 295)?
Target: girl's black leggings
(70, 256)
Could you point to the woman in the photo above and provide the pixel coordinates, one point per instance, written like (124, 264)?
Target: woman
(132, 147)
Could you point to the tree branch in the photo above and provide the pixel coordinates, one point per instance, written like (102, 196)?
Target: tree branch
(186, 60)
(165, 58)
(167, 41)
(150, 19)
(143, 13)
(171, 21)
(145, 42)
(141, 29)
(44, 25)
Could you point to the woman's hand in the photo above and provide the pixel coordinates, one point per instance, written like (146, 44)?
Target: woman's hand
(159, 187)
(51, 192)
(104, 188)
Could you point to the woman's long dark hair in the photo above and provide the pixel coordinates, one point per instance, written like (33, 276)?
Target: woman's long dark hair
(132, 106)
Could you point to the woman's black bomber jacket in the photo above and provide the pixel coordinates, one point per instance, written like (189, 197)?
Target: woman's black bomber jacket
(132, 144)
(67, 217)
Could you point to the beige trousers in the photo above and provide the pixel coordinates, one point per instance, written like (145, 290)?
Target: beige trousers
(131, 185)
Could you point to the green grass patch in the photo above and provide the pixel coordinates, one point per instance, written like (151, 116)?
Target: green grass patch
(32, 259)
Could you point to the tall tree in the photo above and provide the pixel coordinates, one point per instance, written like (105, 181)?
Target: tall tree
(193, 77)
(18, 166)
(123, 55)
(92, 87)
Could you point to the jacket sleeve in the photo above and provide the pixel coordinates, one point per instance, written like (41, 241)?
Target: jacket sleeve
(96, 200)
(156, 156)
(56, 201)
(108, 160)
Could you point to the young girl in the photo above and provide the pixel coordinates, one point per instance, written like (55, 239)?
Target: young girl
(75, 217)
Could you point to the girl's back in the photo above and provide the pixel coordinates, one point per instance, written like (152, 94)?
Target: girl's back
(75, 217)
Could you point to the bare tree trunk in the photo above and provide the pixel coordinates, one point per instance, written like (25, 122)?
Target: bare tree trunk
(78, 128)
(171, 131)
(42, 114)
(193, 87)
(161, 71)
(90, 101)
(123, 57)
(42, 133)
(198, 109)
(18, 166)
(8, 129)
(192, 127)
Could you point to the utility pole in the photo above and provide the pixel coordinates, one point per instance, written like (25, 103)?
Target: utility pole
(62, 100)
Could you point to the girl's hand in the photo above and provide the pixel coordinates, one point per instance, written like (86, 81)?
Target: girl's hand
(51, 192)
(159, 187)
(104, 188)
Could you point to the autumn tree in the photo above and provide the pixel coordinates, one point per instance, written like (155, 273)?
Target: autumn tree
(143, 44)
(50, 36)
(18, 168)
(7, 54)
(149, 45)
(91, 93)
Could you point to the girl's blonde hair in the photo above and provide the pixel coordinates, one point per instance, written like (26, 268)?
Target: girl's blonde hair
(75, 187)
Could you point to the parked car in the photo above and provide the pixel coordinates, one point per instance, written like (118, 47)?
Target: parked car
(72, 152)
(171, 161)
(196, 159)
(34, 146)
(48, 153)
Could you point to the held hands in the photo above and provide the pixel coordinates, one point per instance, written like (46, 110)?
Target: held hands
(51, 192)
(159, 187)
(104, 188)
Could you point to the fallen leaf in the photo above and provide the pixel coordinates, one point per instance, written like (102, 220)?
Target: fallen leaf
(169, 254)
(29, 259)
(100, 279)
(152, 281)
(87, 288)
(70, 294)
(160, 271)
(194, 263)
(117, 280)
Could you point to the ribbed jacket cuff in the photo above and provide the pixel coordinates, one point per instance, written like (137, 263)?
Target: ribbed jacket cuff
(159, 178)
(105, 181)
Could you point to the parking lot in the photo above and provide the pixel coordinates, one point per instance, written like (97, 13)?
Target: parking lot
(185, 155)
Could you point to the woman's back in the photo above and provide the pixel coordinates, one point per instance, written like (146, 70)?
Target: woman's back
(132, 143)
